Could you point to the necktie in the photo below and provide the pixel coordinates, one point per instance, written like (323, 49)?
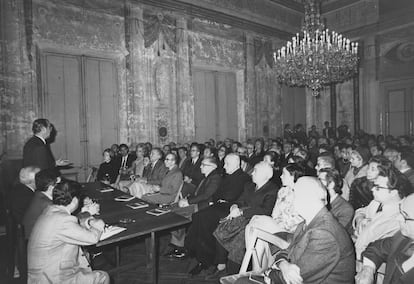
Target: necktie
(379, 208)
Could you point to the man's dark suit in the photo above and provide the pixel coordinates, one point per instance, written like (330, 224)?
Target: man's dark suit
(20, 198)
(193, 171)
(200, 240)
(155, 174)
(130, 159)
(343, 212)
(258, 202)
(410, 175)
(39, 202)
(394, 251)
(37, 153)
(203, 194)
(322, 250)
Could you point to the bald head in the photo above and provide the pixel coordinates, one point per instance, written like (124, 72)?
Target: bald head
(231, 163)
(262, 173)
(310, 196)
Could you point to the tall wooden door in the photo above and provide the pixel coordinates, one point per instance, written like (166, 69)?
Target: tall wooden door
(215, 105)
(79, 97)
(399, 107)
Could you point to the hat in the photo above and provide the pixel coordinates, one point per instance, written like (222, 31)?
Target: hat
(364, 153)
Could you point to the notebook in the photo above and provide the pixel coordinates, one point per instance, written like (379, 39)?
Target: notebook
(124, 198)
(111, 231)
(138, 205)
(158, 211)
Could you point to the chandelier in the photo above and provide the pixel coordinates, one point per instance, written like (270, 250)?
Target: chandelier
(316, 57)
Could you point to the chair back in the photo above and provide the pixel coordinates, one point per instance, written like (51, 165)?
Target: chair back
(179, 194)
(93, 172)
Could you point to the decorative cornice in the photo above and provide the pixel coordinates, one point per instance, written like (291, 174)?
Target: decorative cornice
(219, 16)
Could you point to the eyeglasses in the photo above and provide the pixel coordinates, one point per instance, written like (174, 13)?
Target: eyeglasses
(377, 187)
(169, 159)
(404, 214)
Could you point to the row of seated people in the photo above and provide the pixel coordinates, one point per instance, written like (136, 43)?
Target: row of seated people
(201, 241)
(212, 189)
(43, 204)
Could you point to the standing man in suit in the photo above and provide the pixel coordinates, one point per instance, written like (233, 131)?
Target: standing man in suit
(54, 254)
(321, 250)
(36, 151)
(23, 192)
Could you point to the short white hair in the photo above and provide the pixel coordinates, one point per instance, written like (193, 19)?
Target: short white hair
(311, 188)
(27, 174)
(265, 169)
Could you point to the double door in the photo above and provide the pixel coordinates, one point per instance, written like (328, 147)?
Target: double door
(79, 96)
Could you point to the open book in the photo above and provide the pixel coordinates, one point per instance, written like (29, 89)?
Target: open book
(158, 211)
(110, 231)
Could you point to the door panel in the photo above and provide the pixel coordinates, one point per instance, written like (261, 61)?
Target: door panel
(215, 96)
(62, 104)
(80, 99)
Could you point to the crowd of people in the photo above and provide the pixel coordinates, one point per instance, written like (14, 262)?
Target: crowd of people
(344, 204)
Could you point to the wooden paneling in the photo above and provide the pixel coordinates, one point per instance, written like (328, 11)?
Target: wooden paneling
(215, 105)
(80, 99)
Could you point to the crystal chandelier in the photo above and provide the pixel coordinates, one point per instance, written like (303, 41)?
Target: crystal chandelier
(316, 57)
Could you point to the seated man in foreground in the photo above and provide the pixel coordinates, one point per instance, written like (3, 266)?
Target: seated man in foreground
(396, 251)
(53, 253)
(321, 250)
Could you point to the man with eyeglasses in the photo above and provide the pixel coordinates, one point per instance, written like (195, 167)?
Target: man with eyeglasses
(170, 184)
(396, 251)
(377, 220)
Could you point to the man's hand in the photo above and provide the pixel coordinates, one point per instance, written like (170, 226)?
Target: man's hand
(365, 276)
(97, 224)
(187, 179)
(236, 212)
(360, 225)
(290, 273)
(183, 203)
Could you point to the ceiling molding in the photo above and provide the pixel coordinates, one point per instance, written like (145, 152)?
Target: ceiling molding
(218, 16)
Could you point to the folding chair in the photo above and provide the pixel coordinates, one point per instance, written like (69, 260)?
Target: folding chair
(252, 253)
(93, 172)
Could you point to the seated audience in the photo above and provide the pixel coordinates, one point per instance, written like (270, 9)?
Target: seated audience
(321, 251)
(107, 171)
(182, 153)
(46, 181)
(192, 171)
(283, 218)
(342, 163)
(139, 164)
(360, 194)
(201, 197)
(124, 162)
(396, 251)
(258, 198)
(338, 206)
(153, 176)
(200, 240)
(377, 220)
(203, 194)
(273, 159)
(54, 253)
(405, 164)
(170, 184)
(358, 161)
(22, 193)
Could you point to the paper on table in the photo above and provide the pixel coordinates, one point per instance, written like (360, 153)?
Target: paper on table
(110, 231)
(106, 189)
(124, 198)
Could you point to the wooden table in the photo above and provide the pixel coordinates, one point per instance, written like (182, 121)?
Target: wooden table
(112, 212)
